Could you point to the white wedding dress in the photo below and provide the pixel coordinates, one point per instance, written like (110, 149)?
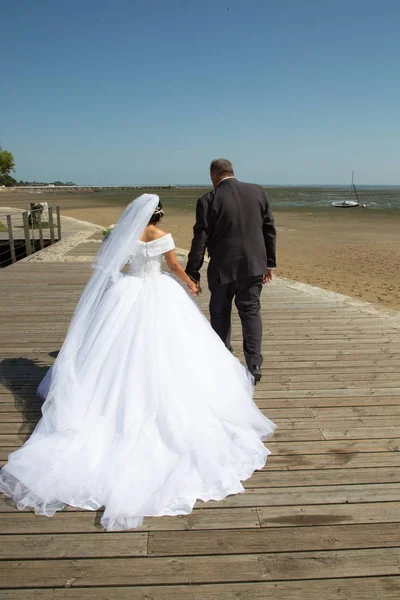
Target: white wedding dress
(166, 412)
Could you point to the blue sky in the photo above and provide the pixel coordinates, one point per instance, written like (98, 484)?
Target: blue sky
(131, 92)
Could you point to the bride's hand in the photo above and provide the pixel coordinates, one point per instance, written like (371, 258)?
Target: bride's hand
(194, 288)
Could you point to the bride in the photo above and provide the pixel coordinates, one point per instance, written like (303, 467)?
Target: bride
(145, 410)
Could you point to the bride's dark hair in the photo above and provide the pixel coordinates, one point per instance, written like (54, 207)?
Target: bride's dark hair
(157, 215)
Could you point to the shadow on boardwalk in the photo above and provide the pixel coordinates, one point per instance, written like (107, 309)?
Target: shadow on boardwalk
(21, 376)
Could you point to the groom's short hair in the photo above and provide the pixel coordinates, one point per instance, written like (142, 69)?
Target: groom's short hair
(221, 166)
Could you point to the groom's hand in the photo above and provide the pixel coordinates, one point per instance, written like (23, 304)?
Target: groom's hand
(197, 282)
(193, 288)
(199, 290)
(268, 276)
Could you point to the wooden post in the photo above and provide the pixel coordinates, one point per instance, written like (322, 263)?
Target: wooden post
(51, 225)
(11, 238)
(58, 223)
(28, 245)
(40, 227)
(32, 216)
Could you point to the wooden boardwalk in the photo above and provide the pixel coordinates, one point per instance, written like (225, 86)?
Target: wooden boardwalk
(321, 521)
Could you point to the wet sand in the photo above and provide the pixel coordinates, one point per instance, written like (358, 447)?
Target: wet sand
(355, 252)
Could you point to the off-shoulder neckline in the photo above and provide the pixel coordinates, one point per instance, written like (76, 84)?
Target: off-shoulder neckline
(156, 240)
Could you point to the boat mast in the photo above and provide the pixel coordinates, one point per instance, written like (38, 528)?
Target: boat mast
(353, 187)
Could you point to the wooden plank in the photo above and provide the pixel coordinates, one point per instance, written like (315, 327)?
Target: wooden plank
(328, 494)
(321, 401)
(331, 460)
(356, 411)
(73, 521)
(241, 568)
(308, 326)
(15, 419)
(328, 376)
(58, 223)
(290, 539)
(337, 447)
(326, 385)
(329, 514)
(268, 478)
(377, 423)
(301, 345)
(278, 360)
(355, 588)
(73, 545)
(11, 239)
(40, 225)
(332, 353)
(28, 244)
(301, 363)
(312, 330)
(160, 592)
(341, 372)
(360, 433)
(342, 393)
(28, 410)
(51, 225)
(314, 402)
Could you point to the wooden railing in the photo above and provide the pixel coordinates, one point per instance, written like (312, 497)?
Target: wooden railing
(25, 232)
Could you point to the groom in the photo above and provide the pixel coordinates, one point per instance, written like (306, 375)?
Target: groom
(235, 224)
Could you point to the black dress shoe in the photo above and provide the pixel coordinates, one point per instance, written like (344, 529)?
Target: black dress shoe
(255, 370)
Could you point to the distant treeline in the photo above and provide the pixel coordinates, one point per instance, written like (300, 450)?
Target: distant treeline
(56, 183)
(11, 182)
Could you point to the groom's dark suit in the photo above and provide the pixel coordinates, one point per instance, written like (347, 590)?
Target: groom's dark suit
(236, 225)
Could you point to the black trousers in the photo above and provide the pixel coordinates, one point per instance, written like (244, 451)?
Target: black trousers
(246, 293)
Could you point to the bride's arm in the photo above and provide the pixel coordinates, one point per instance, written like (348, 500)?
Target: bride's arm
(176, 269)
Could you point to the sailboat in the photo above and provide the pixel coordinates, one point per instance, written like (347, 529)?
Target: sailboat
(349, 203)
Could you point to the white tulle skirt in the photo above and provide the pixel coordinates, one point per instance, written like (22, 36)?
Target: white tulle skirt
(170, 416)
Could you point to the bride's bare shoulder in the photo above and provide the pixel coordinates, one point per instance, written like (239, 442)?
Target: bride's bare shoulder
(159, 233)
(153, 233)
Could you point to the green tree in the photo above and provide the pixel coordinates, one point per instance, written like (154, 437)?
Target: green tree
(7, 180)
(7, 165)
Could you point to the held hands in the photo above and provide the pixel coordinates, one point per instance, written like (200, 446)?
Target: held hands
(194, 288)
(268, 276)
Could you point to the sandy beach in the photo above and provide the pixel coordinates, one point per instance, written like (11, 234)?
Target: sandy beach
(351, 251)
(355, 255)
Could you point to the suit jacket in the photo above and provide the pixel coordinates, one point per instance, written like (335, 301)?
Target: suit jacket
(235, 224)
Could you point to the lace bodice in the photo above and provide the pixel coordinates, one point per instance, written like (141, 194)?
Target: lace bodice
(146, 260)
